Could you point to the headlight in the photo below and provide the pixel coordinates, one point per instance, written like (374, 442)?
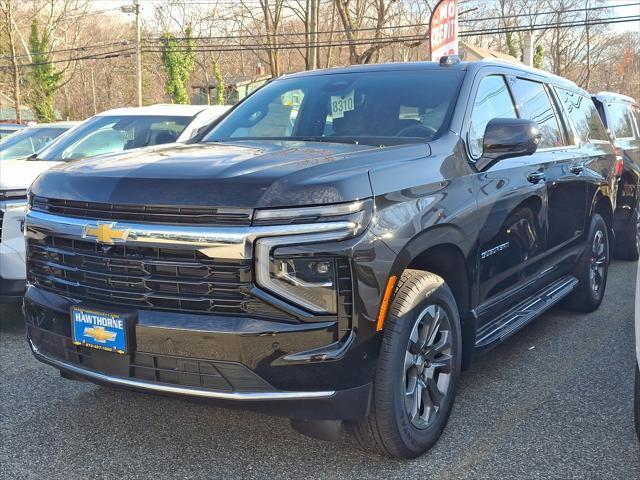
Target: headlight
(307, 281)
(310, 282)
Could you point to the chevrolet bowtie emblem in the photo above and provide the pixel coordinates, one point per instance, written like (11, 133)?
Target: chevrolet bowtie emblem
(99, 334)
(105, 233)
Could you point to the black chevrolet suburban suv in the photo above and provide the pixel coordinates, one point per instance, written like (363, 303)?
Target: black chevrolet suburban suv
(621, 116)
(336, 249)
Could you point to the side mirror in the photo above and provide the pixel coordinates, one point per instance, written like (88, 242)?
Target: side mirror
(508, 138)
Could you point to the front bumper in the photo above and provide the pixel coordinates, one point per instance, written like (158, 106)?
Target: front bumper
(242, 367)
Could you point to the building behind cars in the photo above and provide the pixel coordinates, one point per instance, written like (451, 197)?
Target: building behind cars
(621, 116)
(108, 132)
(336, 249)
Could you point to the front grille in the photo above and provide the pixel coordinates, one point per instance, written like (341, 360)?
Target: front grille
(144, 277)
(143, 213)
(192, 372)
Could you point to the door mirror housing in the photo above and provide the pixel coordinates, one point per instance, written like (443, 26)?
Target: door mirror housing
(508, 138)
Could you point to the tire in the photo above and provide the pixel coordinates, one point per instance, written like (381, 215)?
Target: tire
(628, 242)
(414, 358)
(592, 269)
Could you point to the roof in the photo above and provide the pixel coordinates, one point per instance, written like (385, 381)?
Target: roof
(54, 124)
(173, 110)
(421, 66)
(614, 97)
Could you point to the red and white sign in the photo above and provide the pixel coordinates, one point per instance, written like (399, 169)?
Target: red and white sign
(443, 29)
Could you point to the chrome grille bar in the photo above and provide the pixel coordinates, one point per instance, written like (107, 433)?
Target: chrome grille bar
(215, 241)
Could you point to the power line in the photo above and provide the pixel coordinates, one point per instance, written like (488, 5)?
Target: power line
(389, 27)
(398, 38)
(152, 41)
(384, 41)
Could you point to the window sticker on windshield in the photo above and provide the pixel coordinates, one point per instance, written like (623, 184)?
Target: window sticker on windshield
(341, 104)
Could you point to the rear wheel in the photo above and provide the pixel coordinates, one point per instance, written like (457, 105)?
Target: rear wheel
(628, 242)
(417, 371)
(592, 269)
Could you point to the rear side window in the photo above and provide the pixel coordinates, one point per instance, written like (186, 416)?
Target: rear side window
(492, 101)
(584, 116)
(636, 114)
(621, 121)
(535, 105)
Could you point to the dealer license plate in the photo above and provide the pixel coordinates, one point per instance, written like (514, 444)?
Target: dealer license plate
(98, 329)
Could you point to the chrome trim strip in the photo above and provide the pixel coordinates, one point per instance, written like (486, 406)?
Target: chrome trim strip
(215, 242)
(164, 388)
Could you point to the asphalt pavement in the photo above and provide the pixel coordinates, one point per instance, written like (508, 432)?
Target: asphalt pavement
(553, 402)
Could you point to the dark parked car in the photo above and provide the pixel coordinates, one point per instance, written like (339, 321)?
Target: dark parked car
(335, 250)
(621, 116)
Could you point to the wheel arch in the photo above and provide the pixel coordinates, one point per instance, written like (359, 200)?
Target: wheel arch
(442, 251)
(603, 205)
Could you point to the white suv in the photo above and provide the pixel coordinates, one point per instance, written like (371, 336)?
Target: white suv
(637, 402)
(111, 131)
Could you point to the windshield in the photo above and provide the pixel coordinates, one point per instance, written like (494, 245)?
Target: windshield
(6, 131)
(107, 134)
(376, 108)
(28, 141)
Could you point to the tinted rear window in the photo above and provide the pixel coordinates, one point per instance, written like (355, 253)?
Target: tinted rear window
(621, 121)
(584, 116)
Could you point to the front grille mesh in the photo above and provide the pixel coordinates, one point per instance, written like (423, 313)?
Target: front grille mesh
(144, 277)
(184, 371)
(144, 213)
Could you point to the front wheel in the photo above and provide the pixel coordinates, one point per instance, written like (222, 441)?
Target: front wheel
(417, 372)
(592, 269)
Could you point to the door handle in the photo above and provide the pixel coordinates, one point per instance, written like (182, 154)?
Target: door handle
(577, 169)
(536, 177)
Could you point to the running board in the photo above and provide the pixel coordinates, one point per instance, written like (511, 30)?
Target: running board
(520, 315)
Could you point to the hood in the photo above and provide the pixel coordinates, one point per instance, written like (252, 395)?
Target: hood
(20, 173)
(240, 174)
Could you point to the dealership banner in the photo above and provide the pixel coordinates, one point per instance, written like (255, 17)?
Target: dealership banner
(443, 29)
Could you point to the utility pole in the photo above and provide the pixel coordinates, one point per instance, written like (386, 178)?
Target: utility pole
(527, 49)
(8, 12)
(313, 52)
(138, 53)
(135, 9)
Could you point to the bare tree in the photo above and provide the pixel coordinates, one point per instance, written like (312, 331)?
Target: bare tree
(7, 10)
(355, 14)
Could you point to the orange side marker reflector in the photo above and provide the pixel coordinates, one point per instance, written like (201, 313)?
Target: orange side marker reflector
(382, 314)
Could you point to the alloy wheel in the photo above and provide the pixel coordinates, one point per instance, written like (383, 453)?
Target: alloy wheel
(598, 261)
(427, 366)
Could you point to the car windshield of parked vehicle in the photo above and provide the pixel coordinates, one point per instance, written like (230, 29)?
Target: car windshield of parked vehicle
(373, 108)
(28, 141)
(107, 134)
(6, 131)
